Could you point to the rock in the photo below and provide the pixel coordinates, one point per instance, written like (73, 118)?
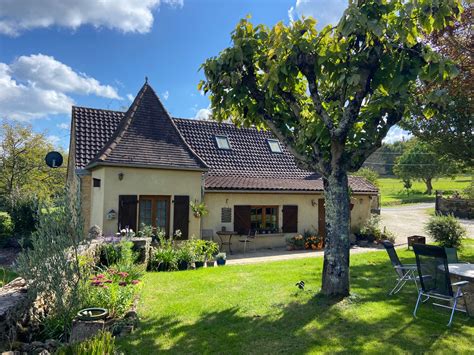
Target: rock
(82, 330)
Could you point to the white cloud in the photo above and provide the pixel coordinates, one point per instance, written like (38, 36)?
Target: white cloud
(48, 73)
(130, 97)
(54, 140)
(203, 114)
(36, 86)
(396, 134)
(165, 95)
(17, 16)
(324, 11)
(64, 126)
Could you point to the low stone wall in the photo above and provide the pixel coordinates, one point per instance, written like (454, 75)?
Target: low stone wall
(459, 207)
(18, 314)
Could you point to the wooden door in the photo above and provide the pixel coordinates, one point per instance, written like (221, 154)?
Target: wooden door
(321, 218)
(127, 216)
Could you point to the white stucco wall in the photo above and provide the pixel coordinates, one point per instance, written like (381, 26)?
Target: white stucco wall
(307, 213)
(141, 181)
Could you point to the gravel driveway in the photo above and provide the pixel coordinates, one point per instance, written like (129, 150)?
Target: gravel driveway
(410, 220)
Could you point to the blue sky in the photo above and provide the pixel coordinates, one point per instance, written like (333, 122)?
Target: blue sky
(89, 53)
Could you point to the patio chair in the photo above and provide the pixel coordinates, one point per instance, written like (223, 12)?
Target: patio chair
(207, 234)
(405, 272)
(435, 281)
(452, 254)
(249, 238)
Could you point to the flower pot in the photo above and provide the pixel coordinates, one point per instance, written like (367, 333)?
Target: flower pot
(163, 267)
(183, 265)
(210, 263)
(197, 214)
(198, 264)
(91, 314)
(220, 262)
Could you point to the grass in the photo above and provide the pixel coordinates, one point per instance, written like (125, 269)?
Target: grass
(257, 309)
(6, 276)
(393, 193)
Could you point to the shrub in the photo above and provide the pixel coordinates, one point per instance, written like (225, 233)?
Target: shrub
(185, 253)
(446, 230)
(371, 231)
(52, 266)
(25, 217)
(6, 227)
(120, 253)
(369, 174)
(102, 344)
(295, 241)
(164, 259)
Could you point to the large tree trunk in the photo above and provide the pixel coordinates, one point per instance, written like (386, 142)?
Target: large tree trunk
(429, 186)
(336, 254)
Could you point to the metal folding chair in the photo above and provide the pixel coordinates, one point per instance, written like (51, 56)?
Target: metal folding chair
(249, 238)
(404, 273)
(435, 281)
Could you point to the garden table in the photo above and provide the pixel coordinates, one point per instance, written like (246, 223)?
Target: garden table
(464, 272)
(222, 235)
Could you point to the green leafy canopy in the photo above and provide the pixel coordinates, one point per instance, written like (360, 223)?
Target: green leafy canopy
(330, 95)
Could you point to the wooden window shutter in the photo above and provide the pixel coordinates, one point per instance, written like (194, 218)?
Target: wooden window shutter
(127, 216)
(181, 216)
(290, 219)
(242, 219)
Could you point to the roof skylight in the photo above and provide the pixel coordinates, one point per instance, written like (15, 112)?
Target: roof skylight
(222, 142)
(274, 145)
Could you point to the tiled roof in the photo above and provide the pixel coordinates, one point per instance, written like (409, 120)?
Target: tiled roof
(92, 128)
(147, 137)
(249, 156)
(309, 184)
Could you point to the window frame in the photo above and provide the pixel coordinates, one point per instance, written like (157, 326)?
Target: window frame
(272, 140)
(264, 214)
(220, 136)
(154, 199)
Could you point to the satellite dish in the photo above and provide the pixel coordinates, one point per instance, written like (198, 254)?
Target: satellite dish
(53, 159)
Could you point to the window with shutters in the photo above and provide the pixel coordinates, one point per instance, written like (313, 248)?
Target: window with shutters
(290, 219)
(155, 211)
(264, 218)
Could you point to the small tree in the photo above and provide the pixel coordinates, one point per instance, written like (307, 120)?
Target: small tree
(420, 162)
(446, 230)
(330, 96)
(369, 174)
(23, 172)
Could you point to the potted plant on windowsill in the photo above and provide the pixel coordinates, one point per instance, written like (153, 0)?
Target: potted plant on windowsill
(199, 209)
(221, 259)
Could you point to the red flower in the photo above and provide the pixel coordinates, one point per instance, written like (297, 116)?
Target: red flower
(96, 283)
(112, 271)
(108, 281)
(122, 283)
(134, 282)
(123, 274)
(100, 276)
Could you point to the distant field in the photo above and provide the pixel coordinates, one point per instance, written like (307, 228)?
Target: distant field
(393, 193)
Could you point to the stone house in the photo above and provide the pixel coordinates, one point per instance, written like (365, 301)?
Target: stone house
(145, 167)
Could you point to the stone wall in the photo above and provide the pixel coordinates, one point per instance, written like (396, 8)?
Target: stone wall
(459, 207)
(19, 314)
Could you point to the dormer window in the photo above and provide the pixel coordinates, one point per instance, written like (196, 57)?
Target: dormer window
(223, 142)
(274, 145)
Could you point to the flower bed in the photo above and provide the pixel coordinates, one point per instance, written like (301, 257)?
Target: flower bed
(310, 240)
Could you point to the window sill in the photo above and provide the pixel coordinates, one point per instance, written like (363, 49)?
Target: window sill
(270, 235)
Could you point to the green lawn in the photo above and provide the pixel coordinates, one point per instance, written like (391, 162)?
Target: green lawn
(6, 276)
(393, 193)
(258, 309)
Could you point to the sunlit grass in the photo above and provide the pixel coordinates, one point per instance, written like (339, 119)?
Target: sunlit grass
(393, 193)
(258, 309)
